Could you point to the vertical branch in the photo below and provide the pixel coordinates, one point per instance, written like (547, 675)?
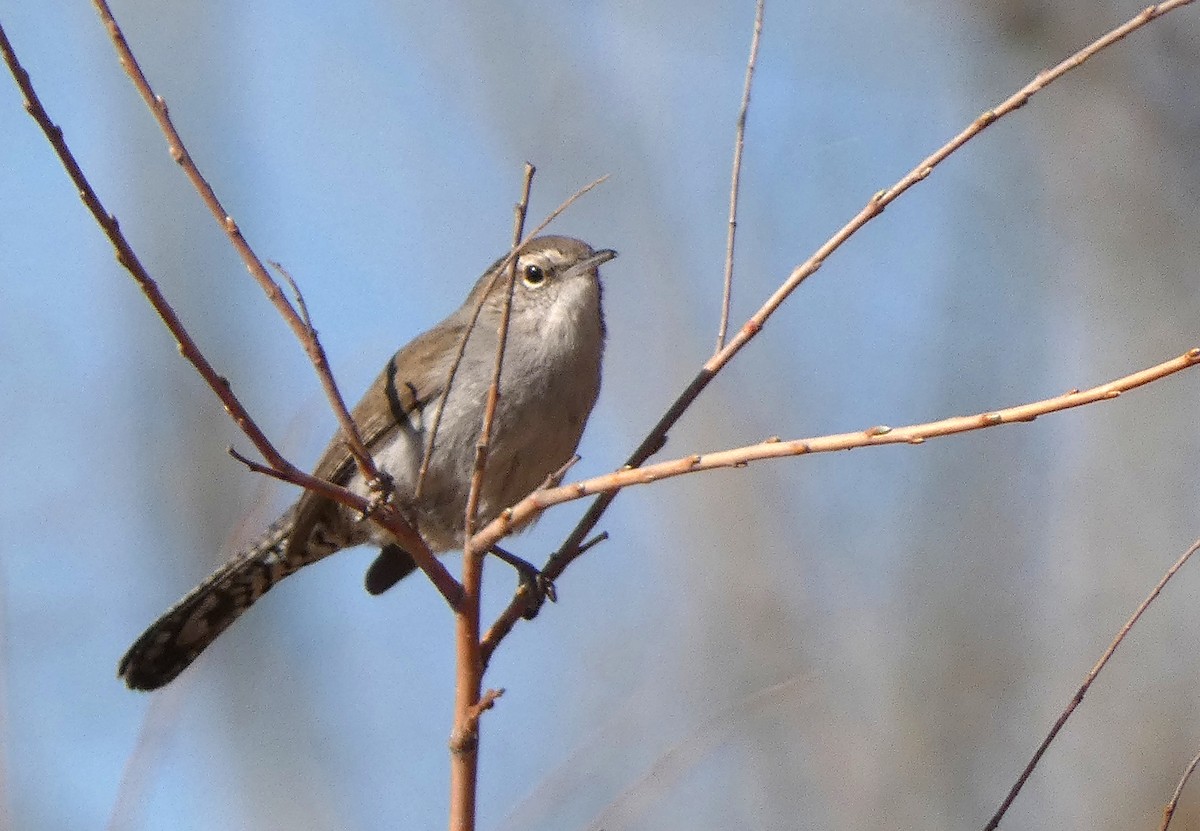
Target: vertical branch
(464, 741)
(735, 183)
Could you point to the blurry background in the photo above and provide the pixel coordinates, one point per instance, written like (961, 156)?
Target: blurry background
(875, 638)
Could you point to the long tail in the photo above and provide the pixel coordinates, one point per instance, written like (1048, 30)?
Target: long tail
(171, 643)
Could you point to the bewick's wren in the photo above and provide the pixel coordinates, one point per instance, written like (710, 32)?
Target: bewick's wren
(549, 383)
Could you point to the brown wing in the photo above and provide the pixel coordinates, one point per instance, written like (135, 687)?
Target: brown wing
(400, 389)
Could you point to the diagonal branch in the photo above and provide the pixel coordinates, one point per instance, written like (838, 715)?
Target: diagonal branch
(390, 519)
(316, 353)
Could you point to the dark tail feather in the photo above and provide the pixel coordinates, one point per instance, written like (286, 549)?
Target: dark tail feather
(391, 566)
(170, 645)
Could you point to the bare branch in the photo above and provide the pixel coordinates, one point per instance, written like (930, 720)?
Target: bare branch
(131, 263)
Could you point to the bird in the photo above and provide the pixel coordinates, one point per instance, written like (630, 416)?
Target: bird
(548, 387)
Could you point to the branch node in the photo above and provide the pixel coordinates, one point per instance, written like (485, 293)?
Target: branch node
(555, 478)
(594, 541)
(382, 487)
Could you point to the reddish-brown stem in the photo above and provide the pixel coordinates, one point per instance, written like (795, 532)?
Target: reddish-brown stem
(179, 152)
(464, 742)
(405, 535)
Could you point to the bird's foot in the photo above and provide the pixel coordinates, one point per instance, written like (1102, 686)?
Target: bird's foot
(537, 586)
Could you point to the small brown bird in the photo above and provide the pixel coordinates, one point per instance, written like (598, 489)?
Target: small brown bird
(549, 384)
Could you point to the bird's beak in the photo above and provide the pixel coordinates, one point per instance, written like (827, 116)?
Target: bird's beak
(598, 258)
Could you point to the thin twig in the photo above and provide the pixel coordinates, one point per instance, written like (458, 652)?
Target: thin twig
(431, 442)
(1169, 811)
(775, 448)
(305, 317)
(657, 437)
(739, 142)
(994, 822)
(304, 332)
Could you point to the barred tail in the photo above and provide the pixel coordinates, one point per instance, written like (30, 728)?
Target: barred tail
(170, 645)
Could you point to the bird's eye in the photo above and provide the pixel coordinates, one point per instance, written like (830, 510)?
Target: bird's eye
(533, 275)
